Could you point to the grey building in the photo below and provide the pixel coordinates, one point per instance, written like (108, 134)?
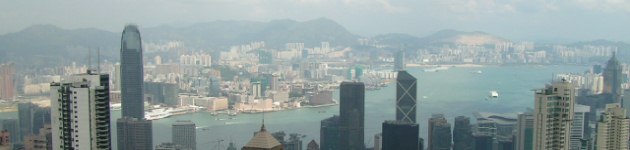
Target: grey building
(400, 135)
(352, 119)
(161, 93)
(134, 134)
(131, 73)
(41, 117)
(80, 110)
(329, 133)
(462, 134)
(406, 97)
(25, 114)
(525, 132)
(184, 134)
(440, 137)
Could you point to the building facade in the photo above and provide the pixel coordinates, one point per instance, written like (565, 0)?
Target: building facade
(399, 135)
(440, 137)
(553, 112)
(352, 119)
(131, 73)
(184, 134)
(7, 81)
(329, 133)
(525, 132)
(80, 112)
(462, 134)
(612, 128)
(134, 134)
(613, 78)
(406, 97)
(579, 127)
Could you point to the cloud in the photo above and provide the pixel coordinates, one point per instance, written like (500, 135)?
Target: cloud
(605, 5)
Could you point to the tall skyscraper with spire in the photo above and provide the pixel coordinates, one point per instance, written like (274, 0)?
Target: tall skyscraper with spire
(553, 115)
(131, 73)
(134, 132)
(612, 79)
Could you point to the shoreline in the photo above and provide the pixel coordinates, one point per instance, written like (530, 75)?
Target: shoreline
(446, 65)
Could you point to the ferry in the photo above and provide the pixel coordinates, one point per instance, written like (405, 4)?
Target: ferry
(157, 113)
(494, 94)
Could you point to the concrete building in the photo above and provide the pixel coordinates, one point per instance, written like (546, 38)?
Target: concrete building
(80, 112)
(134, 134)
(41, 141)
(612, 128)
(399, 135)
(161, 93)
(183, 134)
(131, 73)
(352, 119)
(5, 142)
(406, 97)
(525, 132)
(378, 141)
(7, 81)
(440, 137)
(553, 113)
(462, 134)
(312, 145)
(399, 60)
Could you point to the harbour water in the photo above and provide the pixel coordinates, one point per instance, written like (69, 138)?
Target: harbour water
(453, 92)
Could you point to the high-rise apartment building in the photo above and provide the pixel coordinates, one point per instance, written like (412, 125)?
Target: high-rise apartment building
(12, 126)
(525, 132)
(440, 137)
(406, 104)
(553, 112)
(613, 78)
(134, 134)
(399, 135)
(612, 129)
(183, 134)
(80, 112)
(462, 134)
(351, 115)
(131, 73)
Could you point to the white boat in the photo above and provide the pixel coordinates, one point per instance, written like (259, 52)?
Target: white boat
(494, 94)
(436, 69)
(478, 72)
(183, 110)
(159, 113)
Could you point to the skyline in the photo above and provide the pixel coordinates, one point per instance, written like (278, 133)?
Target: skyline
(514, 19)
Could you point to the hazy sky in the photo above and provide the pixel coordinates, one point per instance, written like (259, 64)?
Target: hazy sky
(564, 20)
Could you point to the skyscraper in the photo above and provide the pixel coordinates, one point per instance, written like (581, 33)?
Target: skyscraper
(131, 73)
(553, 112)
(134, 134)
(613, 78)
(399, 60)
(400, 135)
(406, 97)
(439, 133)
(579, 127)
(7, 81)
(462, 134)
(80, 112)
(183, 134)
(25, 114)
(329, 133)
(612, 129)
(525, 132)
(351, 115)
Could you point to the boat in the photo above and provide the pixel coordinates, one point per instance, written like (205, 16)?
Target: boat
(494, 94)
(478, 72)
(183, 110)
(436, 69)
(159, 113)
